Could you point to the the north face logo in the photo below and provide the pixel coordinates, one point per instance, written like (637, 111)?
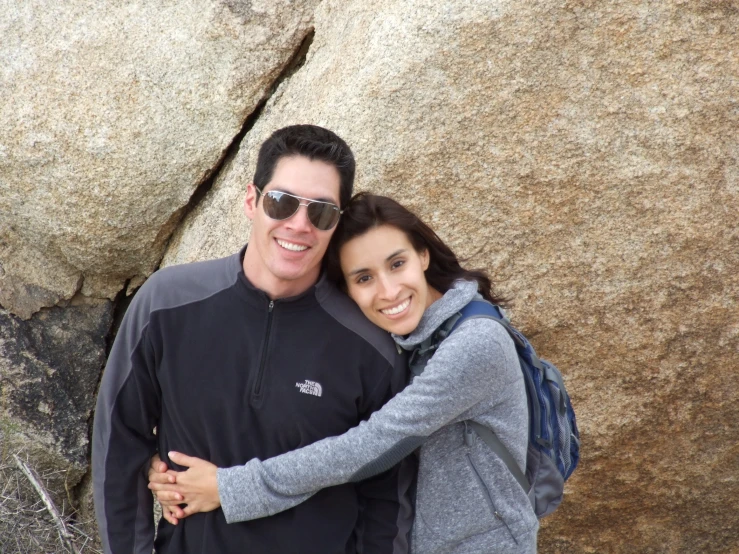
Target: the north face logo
(310, 387)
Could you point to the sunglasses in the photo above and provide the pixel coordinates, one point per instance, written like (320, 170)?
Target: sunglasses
(282, 205)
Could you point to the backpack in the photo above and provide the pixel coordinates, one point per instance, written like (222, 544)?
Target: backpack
(554, 441)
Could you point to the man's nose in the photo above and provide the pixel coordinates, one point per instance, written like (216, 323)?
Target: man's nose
(299, 221)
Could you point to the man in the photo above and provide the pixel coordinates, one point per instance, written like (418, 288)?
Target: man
(251, 356)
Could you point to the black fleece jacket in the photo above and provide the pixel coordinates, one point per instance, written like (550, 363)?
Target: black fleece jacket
(207, 365)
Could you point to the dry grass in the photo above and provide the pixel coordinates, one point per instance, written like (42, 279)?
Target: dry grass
(28, 524)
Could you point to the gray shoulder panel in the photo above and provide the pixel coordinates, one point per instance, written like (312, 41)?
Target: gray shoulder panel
(168, 288)
(178, 285)
(348, 314)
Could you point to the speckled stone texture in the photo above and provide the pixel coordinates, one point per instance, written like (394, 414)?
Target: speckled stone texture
(49, 374)
(112, 113)
(585, 153)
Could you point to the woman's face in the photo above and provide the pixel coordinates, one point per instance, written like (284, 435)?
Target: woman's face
(385, 277)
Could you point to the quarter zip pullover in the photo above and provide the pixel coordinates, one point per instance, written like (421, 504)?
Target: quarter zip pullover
(226, 374)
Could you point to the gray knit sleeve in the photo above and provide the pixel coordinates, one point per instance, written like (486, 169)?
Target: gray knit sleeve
(470, 366)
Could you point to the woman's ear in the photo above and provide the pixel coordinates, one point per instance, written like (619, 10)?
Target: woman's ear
(425, 259)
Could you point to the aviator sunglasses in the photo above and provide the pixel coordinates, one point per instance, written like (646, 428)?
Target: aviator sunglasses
(282, 205)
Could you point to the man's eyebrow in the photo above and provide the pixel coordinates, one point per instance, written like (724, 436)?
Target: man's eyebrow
(390, 257)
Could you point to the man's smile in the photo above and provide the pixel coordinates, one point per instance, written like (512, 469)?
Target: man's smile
(293, 247)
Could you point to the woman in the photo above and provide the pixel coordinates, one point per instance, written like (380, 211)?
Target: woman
(408, 282)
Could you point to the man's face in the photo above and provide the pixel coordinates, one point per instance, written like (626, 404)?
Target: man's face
(284, 256)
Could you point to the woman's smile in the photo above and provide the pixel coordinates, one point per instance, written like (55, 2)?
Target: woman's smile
(385, 276)
(398, 308)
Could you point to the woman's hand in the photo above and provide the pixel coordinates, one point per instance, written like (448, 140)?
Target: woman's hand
(197, 486)
(169, 501)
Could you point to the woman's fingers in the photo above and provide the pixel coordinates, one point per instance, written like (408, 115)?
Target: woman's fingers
(159, 473)
(194, 508)
(157, 465)
(190, 509)
(168, 498)
(176, 512)
(158, 485)
(169, 517)
(184, 460)
(172, 513)
(161, 478)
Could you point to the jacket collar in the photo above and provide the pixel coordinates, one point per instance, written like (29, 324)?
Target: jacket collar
(258, 297)
(456, 298)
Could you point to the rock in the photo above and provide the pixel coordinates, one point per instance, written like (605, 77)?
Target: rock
(586, 154)
(112, 114)
(49, 374)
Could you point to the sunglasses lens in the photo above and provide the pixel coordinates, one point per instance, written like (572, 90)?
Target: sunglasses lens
(323, 216)
(278, 205)
(281, 205)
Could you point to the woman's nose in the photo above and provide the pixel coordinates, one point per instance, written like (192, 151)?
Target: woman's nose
(388, 288)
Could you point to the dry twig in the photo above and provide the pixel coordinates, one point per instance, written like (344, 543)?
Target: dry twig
(26, 524)
(64, 533)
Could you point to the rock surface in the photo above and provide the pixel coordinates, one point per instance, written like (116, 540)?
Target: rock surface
(586, 154)
(49, 374)
(112, 114)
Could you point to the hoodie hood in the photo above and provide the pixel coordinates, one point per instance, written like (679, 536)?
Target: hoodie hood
(456, 298)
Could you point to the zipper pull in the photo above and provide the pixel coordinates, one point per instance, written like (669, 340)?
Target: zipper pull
(468, 438)
(271, 305)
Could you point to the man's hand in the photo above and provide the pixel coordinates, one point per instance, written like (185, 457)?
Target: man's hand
(197, 486)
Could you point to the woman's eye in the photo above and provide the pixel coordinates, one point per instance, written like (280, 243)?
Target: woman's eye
(397, 263)
(363, 279)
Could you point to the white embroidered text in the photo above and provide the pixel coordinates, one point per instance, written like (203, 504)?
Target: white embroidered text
(310, 387)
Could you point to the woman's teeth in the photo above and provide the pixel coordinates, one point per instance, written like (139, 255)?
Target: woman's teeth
(291, 246)
(397, 309)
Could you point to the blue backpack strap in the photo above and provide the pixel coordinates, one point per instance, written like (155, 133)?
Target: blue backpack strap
(480, 308)
(484, 309)
(554, 441)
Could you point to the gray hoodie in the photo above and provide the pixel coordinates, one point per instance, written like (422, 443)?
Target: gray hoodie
(467, 501)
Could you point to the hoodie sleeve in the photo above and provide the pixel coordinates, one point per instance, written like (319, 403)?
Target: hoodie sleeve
(126, 414)
(386, 512)
(473, 364)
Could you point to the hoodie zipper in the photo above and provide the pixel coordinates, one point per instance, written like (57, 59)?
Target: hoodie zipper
(260, 374)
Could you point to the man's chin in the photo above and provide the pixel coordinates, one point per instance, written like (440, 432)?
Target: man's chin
(291, 271)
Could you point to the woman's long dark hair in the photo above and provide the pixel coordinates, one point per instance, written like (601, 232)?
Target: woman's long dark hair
(366, 211)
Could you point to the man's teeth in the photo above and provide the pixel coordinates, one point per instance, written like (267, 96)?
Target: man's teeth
(397, 309)
(291, 246)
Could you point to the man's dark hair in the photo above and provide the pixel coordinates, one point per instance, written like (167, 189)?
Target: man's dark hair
(313, 142)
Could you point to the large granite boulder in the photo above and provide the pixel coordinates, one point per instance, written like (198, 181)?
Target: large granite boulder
(49, 375)
(586, 154)
(111, 115)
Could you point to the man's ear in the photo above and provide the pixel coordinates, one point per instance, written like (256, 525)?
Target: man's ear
(250, 200)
